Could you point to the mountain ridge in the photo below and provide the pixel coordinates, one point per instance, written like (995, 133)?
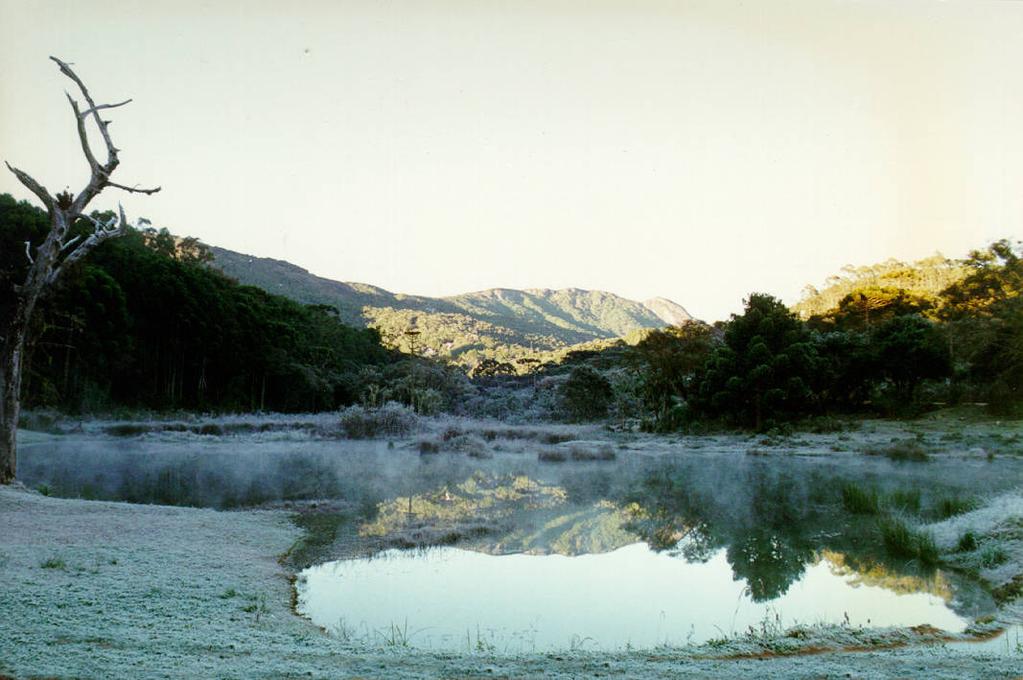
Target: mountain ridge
(506, 324)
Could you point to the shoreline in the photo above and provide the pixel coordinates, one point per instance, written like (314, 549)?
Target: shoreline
(108, 589)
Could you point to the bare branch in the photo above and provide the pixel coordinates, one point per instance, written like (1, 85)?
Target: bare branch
(112, 160)
(105, 106)
(83, 136)
(101, 226)
(103, 231)
(33, 186)
(134, 189)
(100, 173)
(28, 252)
(69, 243)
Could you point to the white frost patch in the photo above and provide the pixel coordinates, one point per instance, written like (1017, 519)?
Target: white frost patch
(982, 521)
(997, 528)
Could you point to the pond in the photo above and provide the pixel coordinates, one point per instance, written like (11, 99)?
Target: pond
(461, 600)
(667, 543)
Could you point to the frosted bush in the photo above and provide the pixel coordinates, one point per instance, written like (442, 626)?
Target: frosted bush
(390, 420)
(470, 444)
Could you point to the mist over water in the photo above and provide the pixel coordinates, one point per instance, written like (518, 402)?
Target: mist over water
(663, 524)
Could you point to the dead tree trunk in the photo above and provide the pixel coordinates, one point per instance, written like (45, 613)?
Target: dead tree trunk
(48, 260)
(10, 388)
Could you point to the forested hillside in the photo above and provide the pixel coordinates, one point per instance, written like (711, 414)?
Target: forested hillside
(923, 281)
(500, 324)
(893, 338)
(146, 322)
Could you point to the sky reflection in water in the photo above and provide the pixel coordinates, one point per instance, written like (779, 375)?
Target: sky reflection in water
(447, 598)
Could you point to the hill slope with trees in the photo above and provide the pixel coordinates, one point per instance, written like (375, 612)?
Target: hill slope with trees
(500, 323)
(145, 322)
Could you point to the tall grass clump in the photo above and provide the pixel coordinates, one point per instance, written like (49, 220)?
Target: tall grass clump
(860, 501)
(907, 500)
(902, 541)
(967, 542)
(390, 420)
(950, 506)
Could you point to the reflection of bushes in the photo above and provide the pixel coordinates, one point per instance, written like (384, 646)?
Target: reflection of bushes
(769, 562)
(127, 430)
(390, 420)
(872, 573)
(772, 525)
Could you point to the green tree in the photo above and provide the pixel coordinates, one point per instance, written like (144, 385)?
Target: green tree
(846, 371)
(984, 324)
(910, 349)
(141, 325)
(586, 394)
(762, 372)
(998, 361)
(866, 307)
(670, 361)
(995, 275)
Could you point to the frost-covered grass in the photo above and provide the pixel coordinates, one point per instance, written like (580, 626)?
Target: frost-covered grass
(988, 540)
(153, 591)
(138, 571)
(191, 593)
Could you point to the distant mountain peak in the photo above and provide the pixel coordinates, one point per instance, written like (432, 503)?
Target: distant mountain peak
(503, 322)
(671, 313)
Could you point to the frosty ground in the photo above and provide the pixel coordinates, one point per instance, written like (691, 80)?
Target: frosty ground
(102, 589)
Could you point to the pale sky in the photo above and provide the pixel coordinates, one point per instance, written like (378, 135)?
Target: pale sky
(692, 150)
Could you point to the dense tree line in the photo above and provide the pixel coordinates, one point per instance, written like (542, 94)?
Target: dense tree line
(875, 350)
(880, 348)
(144, 322)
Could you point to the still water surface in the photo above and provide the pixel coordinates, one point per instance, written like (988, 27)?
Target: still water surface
(452, 599)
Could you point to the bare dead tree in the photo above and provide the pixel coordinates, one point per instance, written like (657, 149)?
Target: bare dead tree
(49, 260)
